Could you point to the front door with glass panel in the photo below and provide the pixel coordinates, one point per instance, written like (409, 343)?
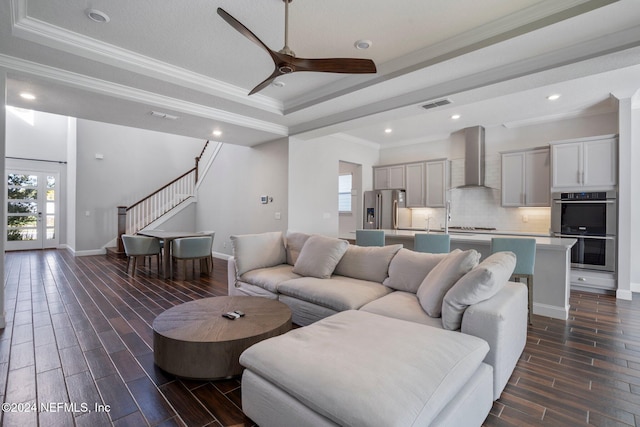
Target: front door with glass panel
(32, 206)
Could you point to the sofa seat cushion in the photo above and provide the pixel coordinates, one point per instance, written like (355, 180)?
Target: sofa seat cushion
(270, 277)
(365, 364)
(403, 306)
(337, 293)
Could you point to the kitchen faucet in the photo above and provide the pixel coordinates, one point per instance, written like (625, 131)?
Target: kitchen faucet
(447, 217)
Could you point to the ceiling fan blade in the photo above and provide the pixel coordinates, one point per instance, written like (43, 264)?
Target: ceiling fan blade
(242, 29)
(266, 82)
(334, 65)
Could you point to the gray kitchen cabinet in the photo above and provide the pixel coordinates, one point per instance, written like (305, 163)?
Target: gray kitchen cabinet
(415, 180)
(437, 183)
(584, 164)
(525, 178)
(388, 177)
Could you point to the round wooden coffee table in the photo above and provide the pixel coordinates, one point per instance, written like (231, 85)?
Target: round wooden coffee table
(193, 340)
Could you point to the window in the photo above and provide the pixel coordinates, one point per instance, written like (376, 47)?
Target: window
(344, 193)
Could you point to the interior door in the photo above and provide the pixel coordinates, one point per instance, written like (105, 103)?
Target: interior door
(32, 210)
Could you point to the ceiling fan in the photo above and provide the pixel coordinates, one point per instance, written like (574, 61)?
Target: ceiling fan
(286, 62)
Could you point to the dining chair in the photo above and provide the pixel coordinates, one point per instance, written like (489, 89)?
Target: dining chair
(370, 237)
(432, 243)
(213, 235)
(137, 246)
(190, 248)
(525, 250)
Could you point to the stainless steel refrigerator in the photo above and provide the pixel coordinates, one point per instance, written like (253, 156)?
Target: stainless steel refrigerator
(381, 208)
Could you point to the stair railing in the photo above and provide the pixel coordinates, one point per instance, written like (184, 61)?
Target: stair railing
(134, 218)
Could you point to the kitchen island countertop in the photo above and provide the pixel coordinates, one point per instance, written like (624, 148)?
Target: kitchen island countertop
(552, 268)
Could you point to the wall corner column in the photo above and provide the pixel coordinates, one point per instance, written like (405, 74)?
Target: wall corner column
(3, 218)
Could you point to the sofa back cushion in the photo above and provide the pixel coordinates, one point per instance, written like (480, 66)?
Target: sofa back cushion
(408, 269)
(319, 256)
(480, 284)
(442, 277)
(295, 242)
(262, 250)
(367, 262)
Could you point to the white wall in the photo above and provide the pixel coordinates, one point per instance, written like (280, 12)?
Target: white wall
(313, 180)
(634, 232)
(229, 196)
(45, 138)
(136, 162)
(72, 163)
(481, 207)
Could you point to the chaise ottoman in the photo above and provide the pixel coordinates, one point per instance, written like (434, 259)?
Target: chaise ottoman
(362, 369)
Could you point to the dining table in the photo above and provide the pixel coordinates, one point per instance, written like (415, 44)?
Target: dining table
(167, 237)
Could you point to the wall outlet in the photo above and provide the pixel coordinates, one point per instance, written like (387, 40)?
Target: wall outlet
(525, 218)
(278, 215)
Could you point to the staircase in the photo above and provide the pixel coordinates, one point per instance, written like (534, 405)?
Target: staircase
(161, 202)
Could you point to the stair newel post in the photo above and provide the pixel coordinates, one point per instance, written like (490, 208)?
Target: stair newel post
(122, 226)
(197, 162)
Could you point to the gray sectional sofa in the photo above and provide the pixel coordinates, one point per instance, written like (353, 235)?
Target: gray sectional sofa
(441, 333)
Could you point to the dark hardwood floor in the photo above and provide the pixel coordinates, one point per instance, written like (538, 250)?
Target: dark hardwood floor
(77, 350)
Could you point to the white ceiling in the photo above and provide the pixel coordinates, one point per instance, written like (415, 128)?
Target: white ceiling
(496, 60)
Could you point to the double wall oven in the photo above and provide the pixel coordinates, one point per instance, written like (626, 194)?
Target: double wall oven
(591, 218)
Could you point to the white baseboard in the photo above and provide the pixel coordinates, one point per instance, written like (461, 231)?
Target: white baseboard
(221, 255)
(626, 294)
(90, 252)
(551, 311)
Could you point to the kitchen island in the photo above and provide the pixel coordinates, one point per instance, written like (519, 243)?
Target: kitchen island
(551, 272)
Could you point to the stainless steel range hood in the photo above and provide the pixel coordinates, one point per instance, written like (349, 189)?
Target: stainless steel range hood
(474, 157)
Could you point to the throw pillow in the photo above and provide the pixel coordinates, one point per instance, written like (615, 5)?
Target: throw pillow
(295, 242)
(408, 269)
(262, 250)
(367, 262)
(480, 284)
(319, 256)
(442, 277)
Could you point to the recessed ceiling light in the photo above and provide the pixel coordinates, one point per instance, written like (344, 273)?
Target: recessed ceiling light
(388, 130)
(97, 16)
(455, 116)
(278, 83)
(26, 95)
(553, 97)
(217, 133)
(363, 44)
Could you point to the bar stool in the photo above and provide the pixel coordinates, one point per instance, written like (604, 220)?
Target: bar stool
(370, 237)
(432, 243)
(525, 250)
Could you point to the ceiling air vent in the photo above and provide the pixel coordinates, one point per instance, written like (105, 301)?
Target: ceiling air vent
(434, 104)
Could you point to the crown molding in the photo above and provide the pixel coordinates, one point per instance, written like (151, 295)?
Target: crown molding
(104, 87)
(609, 108)
(355, 140)
(52, 36)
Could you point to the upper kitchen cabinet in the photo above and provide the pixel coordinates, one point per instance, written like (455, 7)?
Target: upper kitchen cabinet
(427, 183)
(415, 177)
(525, 178)
(437, 174)
(584, 164)
(388, 177)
